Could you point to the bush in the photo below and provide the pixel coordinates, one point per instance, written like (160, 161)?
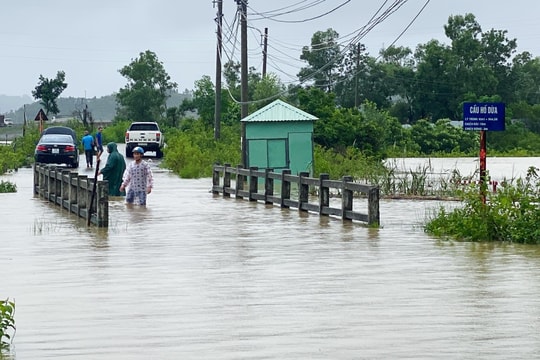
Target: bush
(192, 150)
(115, 132)
(349, 162)
(7, 187)
(21, 151)
(511, 214)
(7, 323)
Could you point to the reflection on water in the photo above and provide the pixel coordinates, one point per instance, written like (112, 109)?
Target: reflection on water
(197, 276)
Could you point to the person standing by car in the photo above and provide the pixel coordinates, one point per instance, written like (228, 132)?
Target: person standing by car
(88, 145)
(139, 178)
(114, 170)
(99, 141)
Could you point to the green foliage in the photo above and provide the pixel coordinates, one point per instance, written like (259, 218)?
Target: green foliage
(516, 136)
(442, 137)
(350, 162)
(145, 95)
(7, 187)
(323, 56)
(21, 151)
(7, 323)
(204, 99)
(191, 150)
(261, 91)
(48, 91)
(510, 214)
(115, 132)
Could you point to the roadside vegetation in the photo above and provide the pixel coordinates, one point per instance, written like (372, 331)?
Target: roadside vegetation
(512, 213)
(7, 325)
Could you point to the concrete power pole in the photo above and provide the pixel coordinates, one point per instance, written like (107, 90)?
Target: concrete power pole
(217, 113)
(265, 49)
(356, 76)
(244, 75)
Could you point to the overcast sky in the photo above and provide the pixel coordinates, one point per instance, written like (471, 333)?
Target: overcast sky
(92, 40)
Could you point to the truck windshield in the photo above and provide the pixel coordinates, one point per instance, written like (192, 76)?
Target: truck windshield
(140, 127)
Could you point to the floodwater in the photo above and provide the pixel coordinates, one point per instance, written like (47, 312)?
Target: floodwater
(198, 276)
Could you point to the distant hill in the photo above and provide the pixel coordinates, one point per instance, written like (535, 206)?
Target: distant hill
(12, 103)
(102, 109)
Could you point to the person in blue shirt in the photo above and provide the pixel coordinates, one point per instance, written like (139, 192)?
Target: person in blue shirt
(99, 141)
(88, 145)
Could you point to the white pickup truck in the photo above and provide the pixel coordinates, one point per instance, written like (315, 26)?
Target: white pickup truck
(146, 135)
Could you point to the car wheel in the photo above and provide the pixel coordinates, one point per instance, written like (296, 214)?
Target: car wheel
(159, 153)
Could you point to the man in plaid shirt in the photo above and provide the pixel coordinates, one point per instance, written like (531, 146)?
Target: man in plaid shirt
(138, 178)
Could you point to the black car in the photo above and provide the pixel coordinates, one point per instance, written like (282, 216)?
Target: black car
(57, 149)
(60, 130)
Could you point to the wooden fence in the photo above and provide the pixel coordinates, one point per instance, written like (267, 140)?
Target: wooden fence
(250, 178)
(73, 192)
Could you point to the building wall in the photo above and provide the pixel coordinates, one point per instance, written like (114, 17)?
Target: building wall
(280, 145)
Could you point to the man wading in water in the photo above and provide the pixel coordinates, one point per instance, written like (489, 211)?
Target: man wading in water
(138, 178)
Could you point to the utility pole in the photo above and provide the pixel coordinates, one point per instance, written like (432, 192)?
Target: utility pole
(217, 113)
(356, 76)
(24, 121)
(265, 48)
(244, 75)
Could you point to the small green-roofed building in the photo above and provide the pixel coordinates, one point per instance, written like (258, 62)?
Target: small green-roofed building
(280, 136)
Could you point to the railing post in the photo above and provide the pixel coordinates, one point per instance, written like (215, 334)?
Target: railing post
(102, 202)
(57, 184)
(268, 186)
(42, 181)
(239, 182)
(253, 183)
(226, 180)
(36, 178)
(82, 193)
(346, 198)
(91, 200)
(303, 190)
(72, 197)
(373, 206)
(324, 193)
(215, 179)
(65, 187)
(285, 188)
(50, 182)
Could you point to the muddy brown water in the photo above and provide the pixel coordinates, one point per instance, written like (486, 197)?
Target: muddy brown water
(197, 276)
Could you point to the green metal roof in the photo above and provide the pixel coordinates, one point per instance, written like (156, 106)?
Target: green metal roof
(279, 111)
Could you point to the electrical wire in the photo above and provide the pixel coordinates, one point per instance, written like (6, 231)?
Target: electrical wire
(307, 19)
(345, 43)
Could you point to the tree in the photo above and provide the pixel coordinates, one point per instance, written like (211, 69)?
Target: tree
(324, 58)
(144, 96)
(475, 63)
(353, 69)
(48, 91)
(399, 67)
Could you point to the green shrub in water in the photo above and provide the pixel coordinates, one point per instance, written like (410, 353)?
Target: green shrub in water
(7, 323)
(7, 187)
(512, 213)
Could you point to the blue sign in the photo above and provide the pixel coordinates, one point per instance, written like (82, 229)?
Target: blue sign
(483, 116)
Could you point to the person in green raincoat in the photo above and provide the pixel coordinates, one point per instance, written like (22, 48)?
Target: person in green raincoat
(114, 170)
